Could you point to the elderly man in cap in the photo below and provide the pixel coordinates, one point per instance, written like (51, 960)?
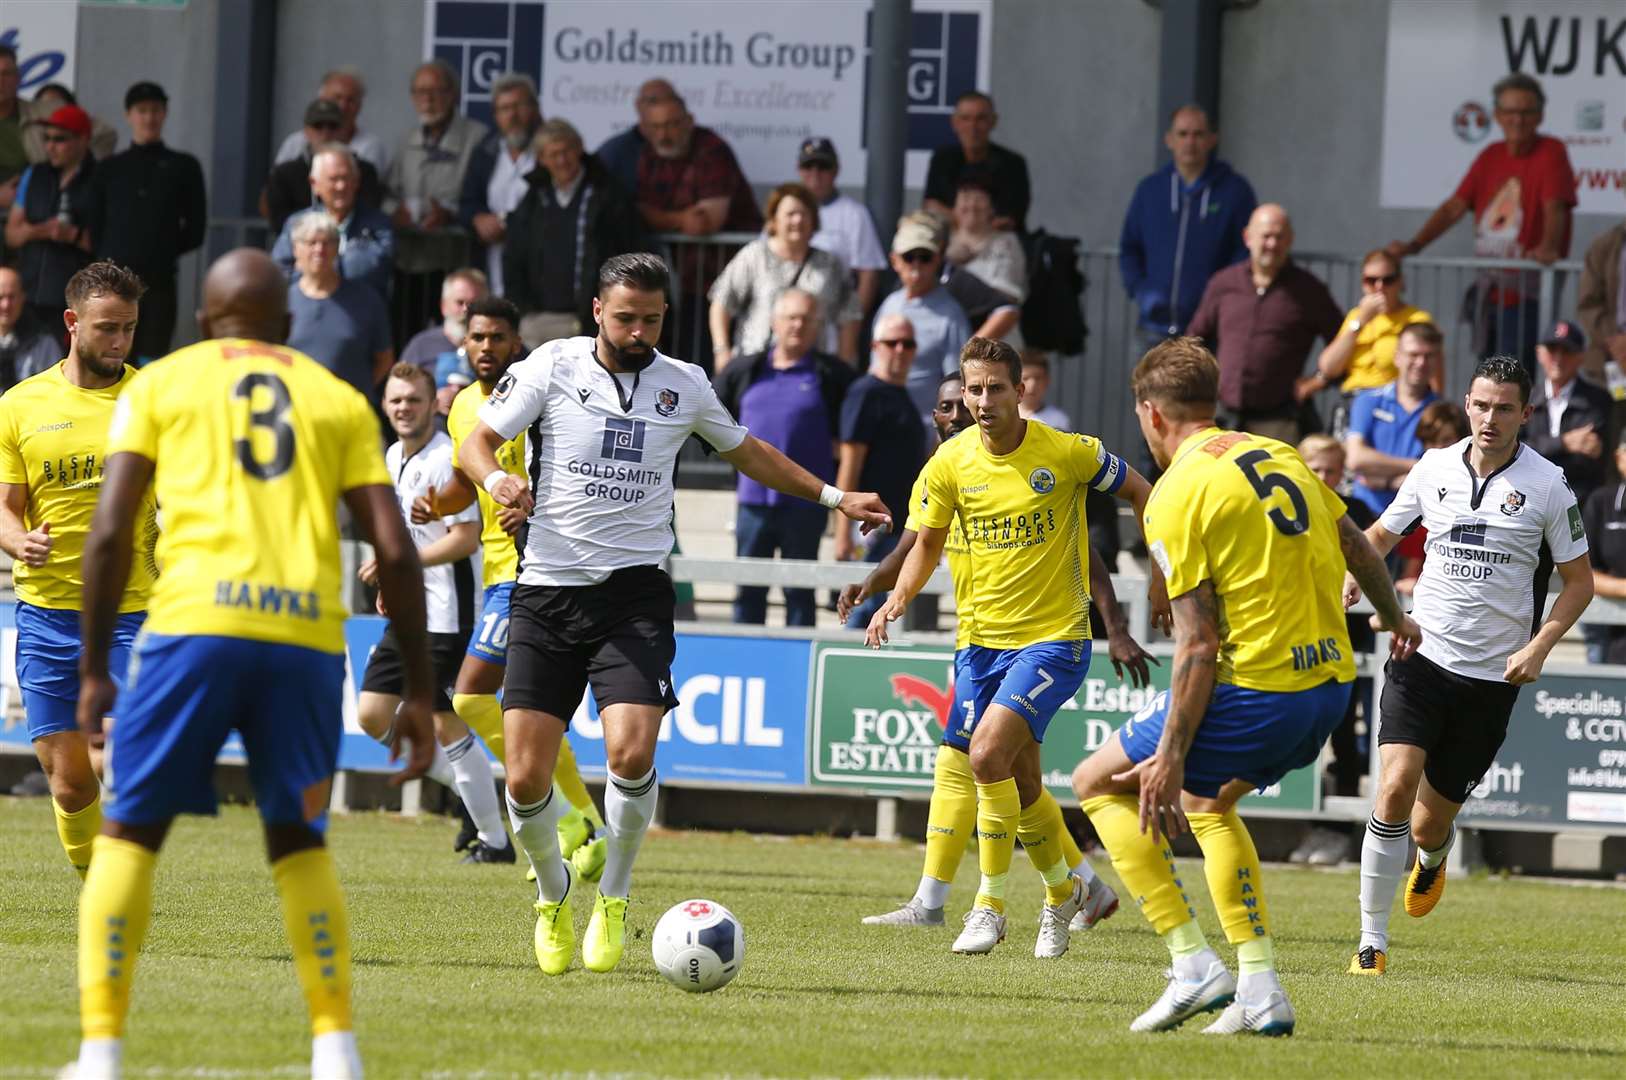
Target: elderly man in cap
(288, 188)
(1570, 418)
(939, 323)
(48, 221)
(149, 210)
(845, 226)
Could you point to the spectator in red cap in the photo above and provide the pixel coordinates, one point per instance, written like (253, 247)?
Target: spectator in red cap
(47, 223)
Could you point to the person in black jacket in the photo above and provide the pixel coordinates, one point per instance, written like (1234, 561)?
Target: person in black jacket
(573, 218)
(288, 188)
(789, 396)
(1569, 421)
(48, 224)
(149, 209)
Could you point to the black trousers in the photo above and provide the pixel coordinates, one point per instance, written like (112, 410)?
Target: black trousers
(156, 329)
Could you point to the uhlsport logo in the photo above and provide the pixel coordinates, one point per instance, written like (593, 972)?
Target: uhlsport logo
(1042, 480)
(623, 439)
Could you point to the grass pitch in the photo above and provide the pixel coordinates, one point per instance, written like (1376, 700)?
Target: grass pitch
(1506, 978)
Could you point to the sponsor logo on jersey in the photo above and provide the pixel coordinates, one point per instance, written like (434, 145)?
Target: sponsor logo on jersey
(666, 401)
(1469, 532)
(1513, 503)
(1577, 530)
(1042, 480)
(623, 439)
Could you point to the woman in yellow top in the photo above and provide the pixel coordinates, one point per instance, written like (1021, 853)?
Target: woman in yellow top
(1363, 353)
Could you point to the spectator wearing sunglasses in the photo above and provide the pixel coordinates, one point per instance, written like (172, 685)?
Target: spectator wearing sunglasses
(1363, 353)
(288, 189)
(939, 322)
(47, 225)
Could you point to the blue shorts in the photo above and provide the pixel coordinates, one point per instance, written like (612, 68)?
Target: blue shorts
(1255, 735)
(185, 696)
(489, 642)
(1032, 682)
(48, 664)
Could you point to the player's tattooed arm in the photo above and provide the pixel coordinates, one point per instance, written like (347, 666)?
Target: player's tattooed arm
(1366, 566)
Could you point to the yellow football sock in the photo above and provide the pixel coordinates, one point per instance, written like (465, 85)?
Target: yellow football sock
(1232, 866)
(483, 713)
(1040, 828)
(569, 779)
(115, 904)
(953, 813)
(318, 928)
(1143, 861)
(78, 830)
(999, 809)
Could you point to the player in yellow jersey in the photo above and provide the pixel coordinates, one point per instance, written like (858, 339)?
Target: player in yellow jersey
(1253, 547)
(53, 436)
(953, 810)
(1017, 489)
(492, 344)
(249, 447)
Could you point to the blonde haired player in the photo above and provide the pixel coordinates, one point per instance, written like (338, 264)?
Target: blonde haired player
(1253, 547)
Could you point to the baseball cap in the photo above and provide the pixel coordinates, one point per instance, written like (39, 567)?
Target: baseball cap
(817, 151)
(916, 232)
(70, 118)
(144, 91)
(1564, 334)
(323, 113)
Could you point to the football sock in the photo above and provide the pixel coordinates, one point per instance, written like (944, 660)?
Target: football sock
(629, 807)
(999, 809)
(78, 830)
(471, 775)
(950, 820)
(318, 928)
(535, 829)
(1231, 864)
(1383, 864)
(1143, 861)
(335, 1054)
(569, 780)
(1040, 828)
(483, 713)
(1431, 859)
(100, 1057)
(114, 906)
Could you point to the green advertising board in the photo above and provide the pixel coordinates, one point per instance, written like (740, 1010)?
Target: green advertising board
(877, 717)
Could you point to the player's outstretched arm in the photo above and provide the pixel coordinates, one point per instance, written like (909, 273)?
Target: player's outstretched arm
(1124, 650)
(28, 546)
(766, 465)
(451, 497)
(478, 457)
(105, 566)
(1196, 663)
(917, 570)
(400, 582)
(1525, 665)
(879, 580)
(1363, 555)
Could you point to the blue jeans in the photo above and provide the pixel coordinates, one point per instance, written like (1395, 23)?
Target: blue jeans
(862, 614)
(793, 530)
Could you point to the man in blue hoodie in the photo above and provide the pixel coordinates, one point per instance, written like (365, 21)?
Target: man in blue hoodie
(1184, 223)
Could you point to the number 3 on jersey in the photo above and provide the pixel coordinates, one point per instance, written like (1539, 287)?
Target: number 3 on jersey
(268, 404)
(1264, 484)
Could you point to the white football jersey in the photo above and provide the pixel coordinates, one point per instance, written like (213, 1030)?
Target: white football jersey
(602, 451)
(451, 590)
(1484, 570)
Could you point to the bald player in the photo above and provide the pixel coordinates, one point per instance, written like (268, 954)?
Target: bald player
(248, 446)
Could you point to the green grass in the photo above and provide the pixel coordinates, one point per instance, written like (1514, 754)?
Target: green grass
(1506, 978)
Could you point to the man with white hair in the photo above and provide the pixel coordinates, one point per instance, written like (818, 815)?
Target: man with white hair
(344, 88)
(425, 181)
(366, 240)
(436, 349)
(495, 182)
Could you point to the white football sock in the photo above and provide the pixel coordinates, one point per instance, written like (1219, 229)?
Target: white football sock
(100, 1059)
(535, 828)
(629, 806)
(334, 1056)
(1431, 859)
(1086, 873)
(1383, 864)
(471, 770)
(931, 893)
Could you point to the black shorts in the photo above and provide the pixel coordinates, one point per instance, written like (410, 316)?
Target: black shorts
(1459, 721)
(386, 674)
(616, 635)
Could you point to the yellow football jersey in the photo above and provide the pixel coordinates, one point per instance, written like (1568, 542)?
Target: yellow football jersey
(1244, 512)
(958, 555)
(1023, 517)
(500, 557)
(53, 438)
(253, 445)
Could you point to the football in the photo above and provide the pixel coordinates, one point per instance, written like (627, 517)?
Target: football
(699, 946)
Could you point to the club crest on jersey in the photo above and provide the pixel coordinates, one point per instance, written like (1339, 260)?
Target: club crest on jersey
(666, 401)
(504, 385)
(1512, 503)
(1042, 480)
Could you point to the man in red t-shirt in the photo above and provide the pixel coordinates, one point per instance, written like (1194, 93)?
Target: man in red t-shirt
(1521, 192)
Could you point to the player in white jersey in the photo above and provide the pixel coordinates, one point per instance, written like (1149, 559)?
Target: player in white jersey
(420, 461)
(605, 417)
(1499, 518)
